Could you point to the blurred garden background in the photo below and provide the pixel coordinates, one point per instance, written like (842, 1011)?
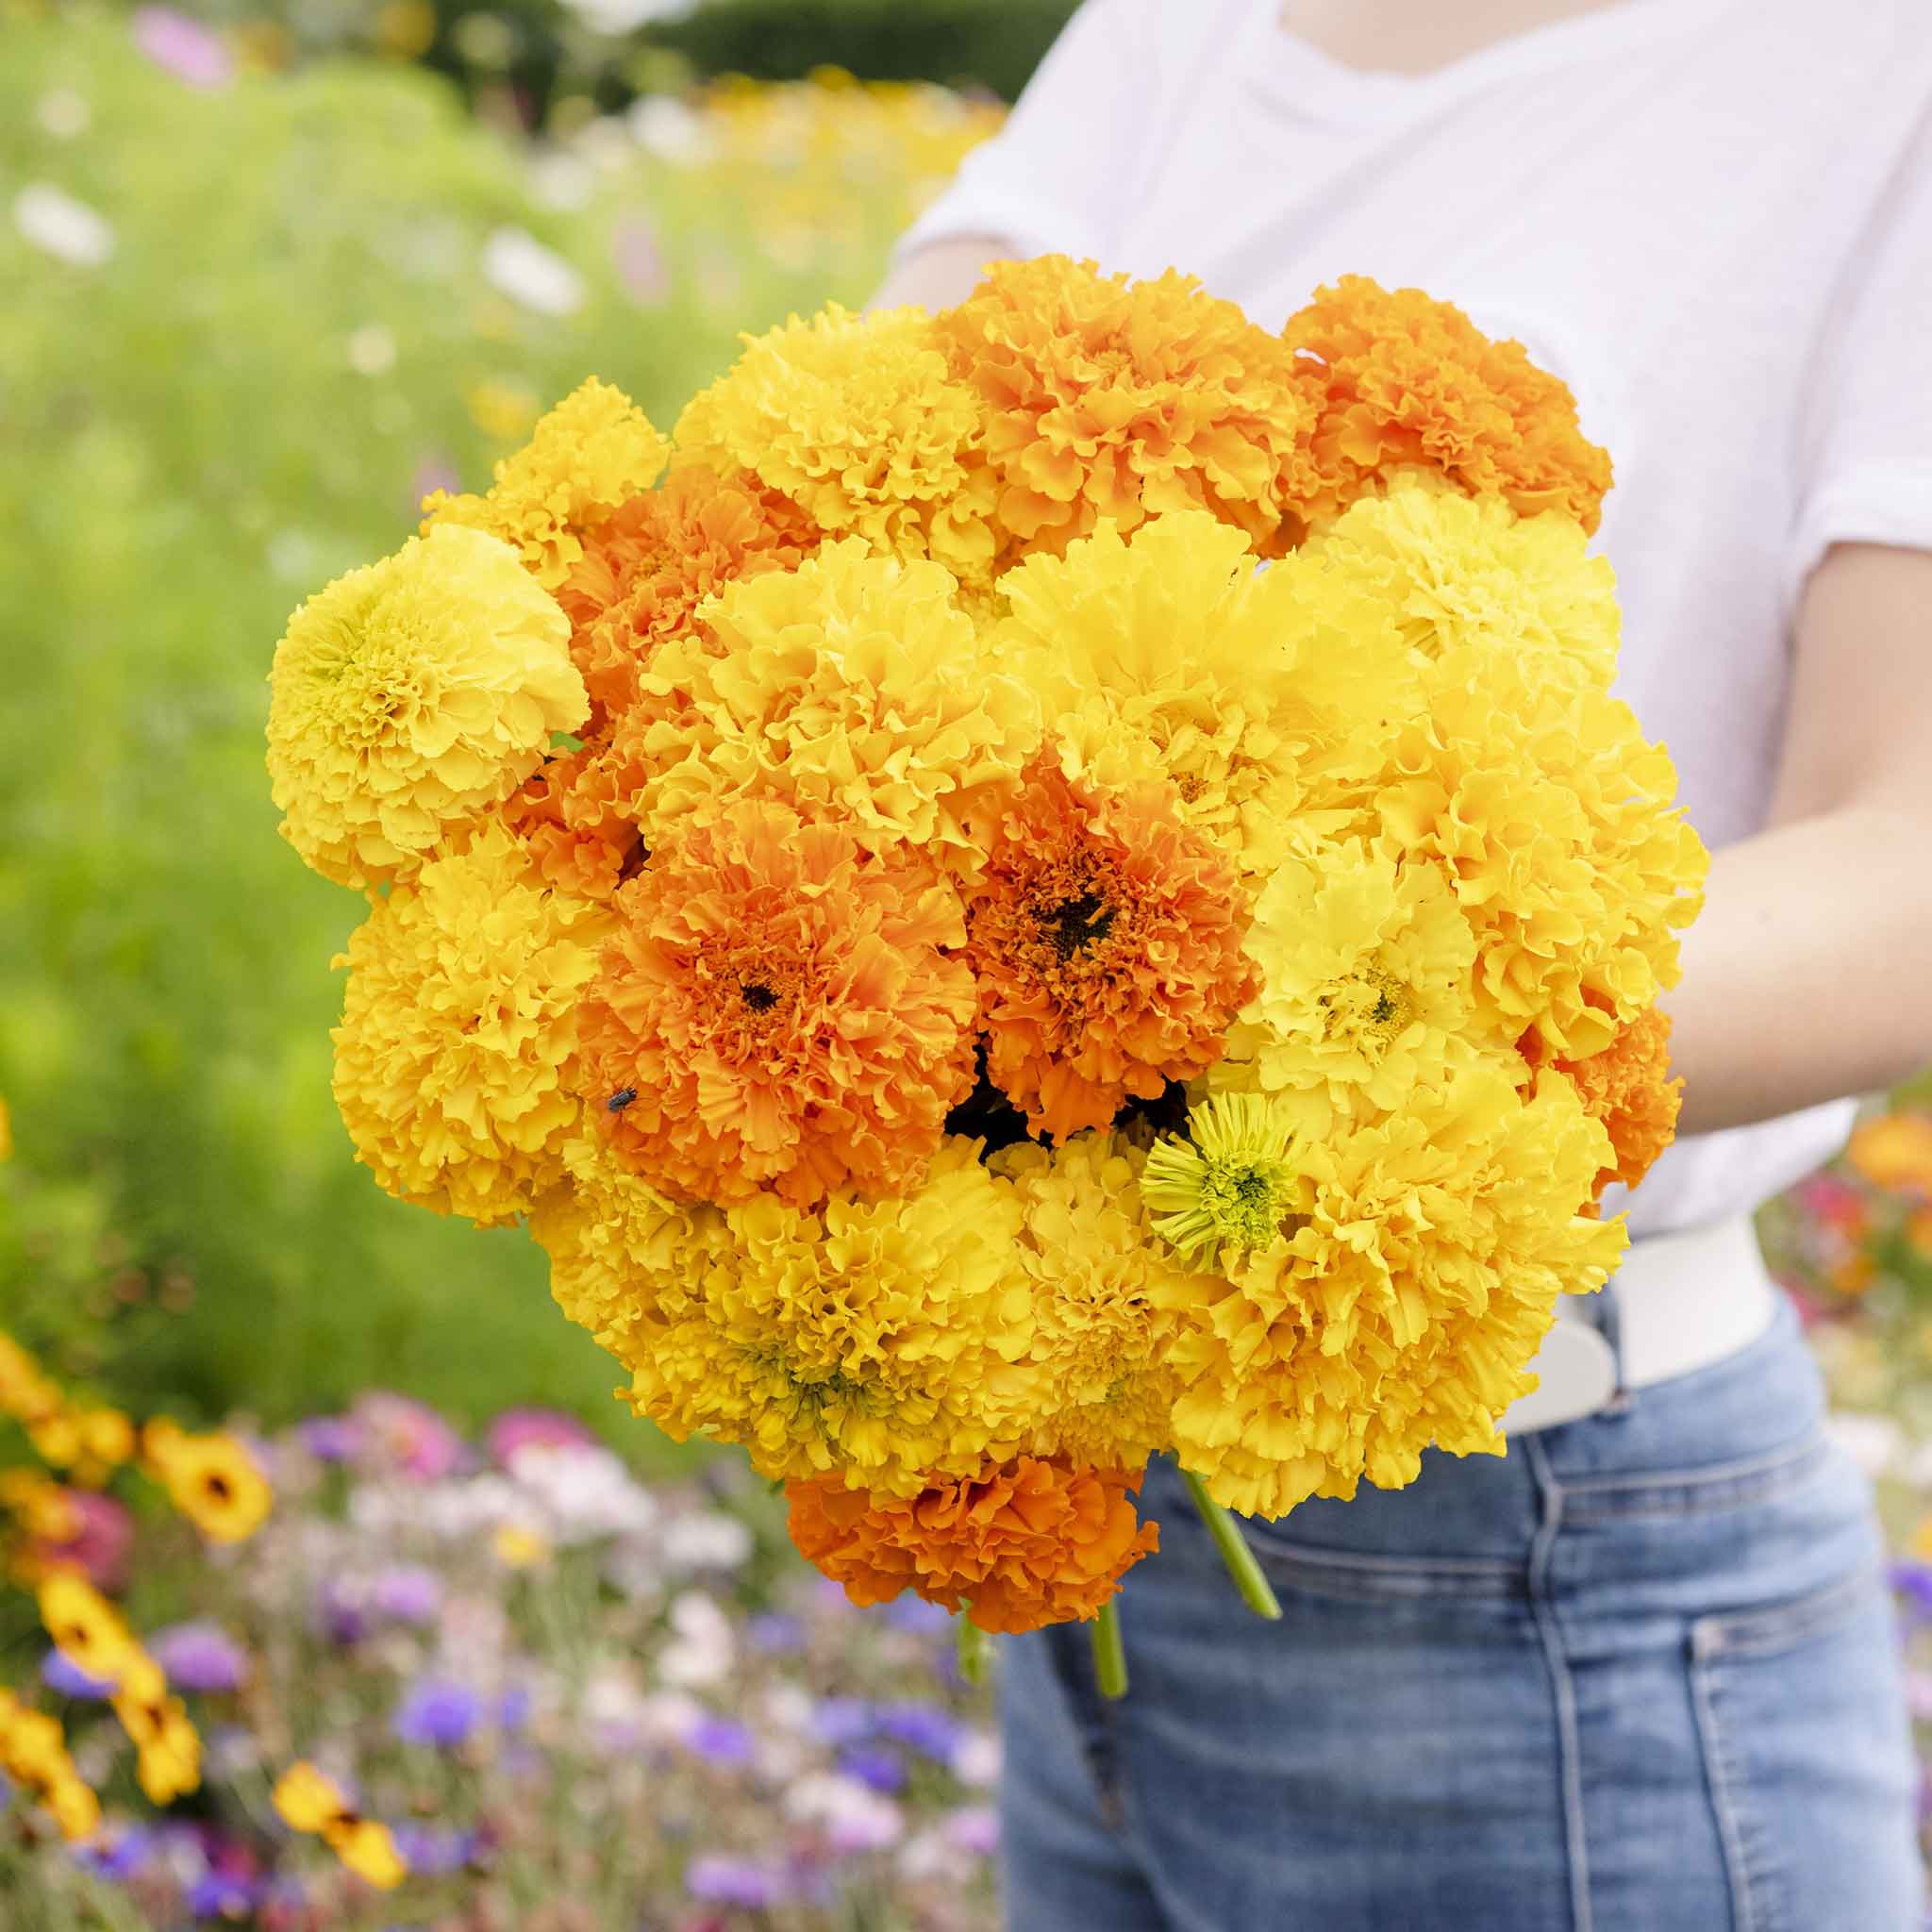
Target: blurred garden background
(267, 276)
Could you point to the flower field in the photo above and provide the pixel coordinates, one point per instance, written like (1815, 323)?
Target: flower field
(285, 1648)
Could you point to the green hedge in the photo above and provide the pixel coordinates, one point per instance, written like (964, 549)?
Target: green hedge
(987, 43)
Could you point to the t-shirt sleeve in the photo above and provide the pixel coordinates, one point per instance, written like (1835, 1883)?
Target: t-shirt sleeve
(1866, 475)
(1052, 180)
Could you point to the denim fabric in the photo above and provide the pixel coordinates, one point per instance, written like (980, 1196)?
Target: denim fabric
(1640, 1675)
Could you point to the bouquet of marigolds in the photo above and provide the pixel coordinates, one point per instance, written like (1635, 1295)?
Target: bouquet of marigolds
(1037, 886)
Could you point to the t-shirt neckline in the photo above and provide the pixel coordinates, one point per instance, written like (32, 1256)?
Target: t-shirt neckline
(1298, 75)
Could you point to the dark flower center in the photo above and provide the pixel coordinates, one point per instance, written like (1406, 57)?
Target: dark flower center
(758, 996)
(1077, 922)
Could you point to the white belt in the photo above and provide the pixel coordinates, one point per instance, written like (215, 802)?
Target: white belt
(1684, 1301)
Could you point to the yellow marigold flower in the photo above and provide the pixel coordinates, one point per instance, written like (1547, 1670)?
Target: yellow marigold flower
(1399, 381)
(1550, 816)
(86, 1629)
(853, 689)
(885, 1340)
(1099, 1336)
(411, 697)
(455, 1061)
(1453, 570)
(1123, 399)
(33, 1753)
(593, 451)
(1419, 1272)
(1893, 1151)
(858, 421)
(1365, 962)
(211, 1479)
(1253, 691)
(622, 1256)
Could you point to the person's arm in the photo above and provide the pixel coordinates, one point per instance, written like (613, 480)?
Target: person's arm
(1809, 974)
(943, 272)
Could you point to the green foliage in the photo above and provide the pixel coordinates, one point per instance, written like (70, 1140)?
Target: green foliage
(987, 43)
(190, 449)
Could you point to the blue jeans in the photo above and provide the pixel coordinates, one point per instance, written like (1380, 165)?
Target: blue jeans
(1640, 1675)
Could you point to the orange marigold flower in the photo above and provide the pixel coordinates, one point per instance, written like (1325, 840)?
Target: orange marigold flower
(1020, 1546)
(1106, 939)
(779, 1008)
(1122, 399)
(1628, 1087)
(645, 573)
(1400, 379)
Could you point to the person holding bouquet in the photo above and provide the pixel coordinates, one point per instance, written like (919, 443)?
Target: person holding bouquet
(1639, 1676)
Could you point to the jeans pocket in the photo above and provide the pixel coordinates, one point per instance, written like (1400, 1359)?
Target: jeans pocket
(1364, 1578)
(1796, 1708)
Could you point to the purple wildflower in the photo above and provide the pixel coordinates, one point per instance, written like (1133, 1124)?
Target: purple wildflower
(922, 1727)
(917, 1617)
(221, 1895)
(116, 1859)
(439, 1713)
(410, 1435)
(841, 1721)
(776, 1631)
(59, 1672)
(715, 1878)
(882, 1770)
(200, 1655)
(343, 1613)
(330, 1438)
(407, 1593)
(183, 47)
(721, 1740)
(436, 1850)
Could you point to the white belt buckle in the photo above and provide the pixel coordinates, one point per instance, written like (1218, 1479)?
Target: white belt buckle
(1577, 1372)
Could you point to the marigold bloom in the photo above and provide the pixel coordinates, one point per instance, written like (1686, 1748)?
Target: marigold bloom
(456, 1060)
(1400, 380)
(1258, 693)
(1547, 812)
(785, 1010)
(1123, 399)
(1416, 1277)
(853, 689)
(211, 1479)
(1365, 962)
(411, 697)
(1452, 570)
(1628, 1087)
(590, 454)
(1100, 1336)
(1018, 1545)
(884, 1341)
(857, 420)
(1106, 937)
(622, 1256)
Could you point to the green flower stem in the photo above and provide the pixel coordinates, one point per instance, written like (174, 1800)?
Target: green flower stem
(1235, 1552)
(975, 1649)
(1109, 1654)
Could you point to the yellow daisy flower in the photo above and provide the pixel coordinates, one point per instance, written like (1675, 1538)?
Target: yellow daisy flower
(211, 1479)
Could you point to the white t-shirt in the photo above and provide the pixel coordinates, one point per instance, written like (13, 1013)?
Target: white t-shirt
(1713, 218)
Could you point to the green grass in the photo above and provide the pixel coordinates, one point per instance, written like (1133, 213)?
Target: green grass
(187, 452)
